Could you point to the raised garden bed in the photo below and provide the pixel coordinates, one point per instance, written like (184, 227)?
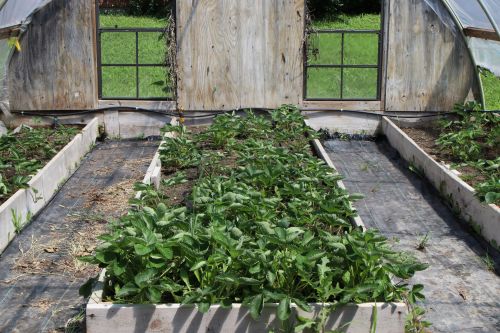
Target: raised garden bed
(351, 318)
(56, 164)
(254, 229)
(436, 166)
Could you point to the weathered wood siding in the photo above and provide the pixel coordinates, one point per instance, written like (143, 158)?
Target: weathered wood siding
(235, 54)
(56, 67)
(428, 65)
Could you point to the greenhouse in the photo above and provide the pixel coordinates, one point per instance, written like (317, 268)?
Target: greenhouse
(250, 166)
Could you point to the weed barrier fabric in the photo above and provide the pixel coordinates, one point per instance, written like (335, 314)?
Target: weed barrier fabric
(462, 294)
(39, 288)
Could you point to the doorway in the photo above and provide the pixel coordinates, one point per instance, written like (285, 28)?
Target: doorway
(344, 52)
(134, 50)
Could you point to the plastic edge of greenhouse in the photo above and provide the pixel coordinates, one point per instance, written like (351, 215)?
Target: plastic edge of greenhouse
(177, 318)
(484, 218)
(17, 211)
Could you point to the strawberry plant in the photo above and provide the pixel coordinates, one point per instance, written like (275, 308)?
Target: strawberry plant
(263, 221)
(22, 154)
(472, 141)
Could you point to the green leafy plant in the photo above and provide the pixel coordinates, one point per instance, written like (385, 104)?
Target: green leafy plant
(422, 244)
(472, 141)
(488, 261)
(489, 189)
(415, 322)
(17, 221)
(3, 186)
(24, 153)
(179, 152)
(267, 224)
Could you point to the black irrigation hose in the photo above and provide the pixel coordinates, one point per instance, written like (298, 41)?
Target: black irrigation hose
(380, 114)
(423, 114)
(70, 113)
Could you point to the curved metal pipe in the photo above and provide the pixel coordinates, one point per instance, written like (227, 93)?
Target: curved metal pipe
(489, 16)
(457, 21)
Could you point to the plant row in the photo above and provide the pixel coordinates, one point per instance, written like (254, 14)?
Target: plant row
(247, 214)
(473, 141)
(23, 153)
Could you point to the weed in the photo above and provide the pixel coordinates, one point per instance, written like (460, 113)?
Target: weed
(422, 244)
(34, 195)
(416, 170)
(76, 324)
(17, 221)
(344, 137)
(488, 261)
(415, 322)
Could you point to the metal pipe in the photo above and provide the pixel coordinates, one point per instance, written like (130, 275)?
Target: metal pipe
(471, 54)
(490, 17)
(342, 55)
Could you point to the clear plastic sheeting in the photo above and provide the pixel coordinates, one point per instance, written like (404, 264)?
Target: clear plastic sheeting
(18, 12)
(472, 15)
(444, 15)
(5, 52)
(486, 53)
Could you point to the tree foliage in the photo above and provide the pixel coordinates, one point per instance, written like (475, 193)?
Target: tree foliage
(160, 8)
(331, 8)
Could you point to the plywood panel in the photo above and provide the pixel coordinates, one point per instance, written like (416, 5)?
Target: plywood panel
(428, 65)
(238, 54)
(56, 68)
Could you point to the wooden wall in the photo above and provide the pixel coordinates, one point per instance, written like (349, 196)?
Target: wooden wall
(245, 53)
(235, 54)
(428, 65)
(56, 67)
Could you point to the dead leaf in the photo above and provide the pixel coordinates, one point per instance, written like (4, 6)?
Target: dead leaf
(462, 293)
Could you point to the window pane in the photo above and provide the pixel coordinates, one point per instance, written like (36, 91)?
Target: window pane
(118, 82)
(152, 83)
(361, 49)
(325, 49)
(118, 47)
(323, 83)
(152, 48)
(360, 83)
